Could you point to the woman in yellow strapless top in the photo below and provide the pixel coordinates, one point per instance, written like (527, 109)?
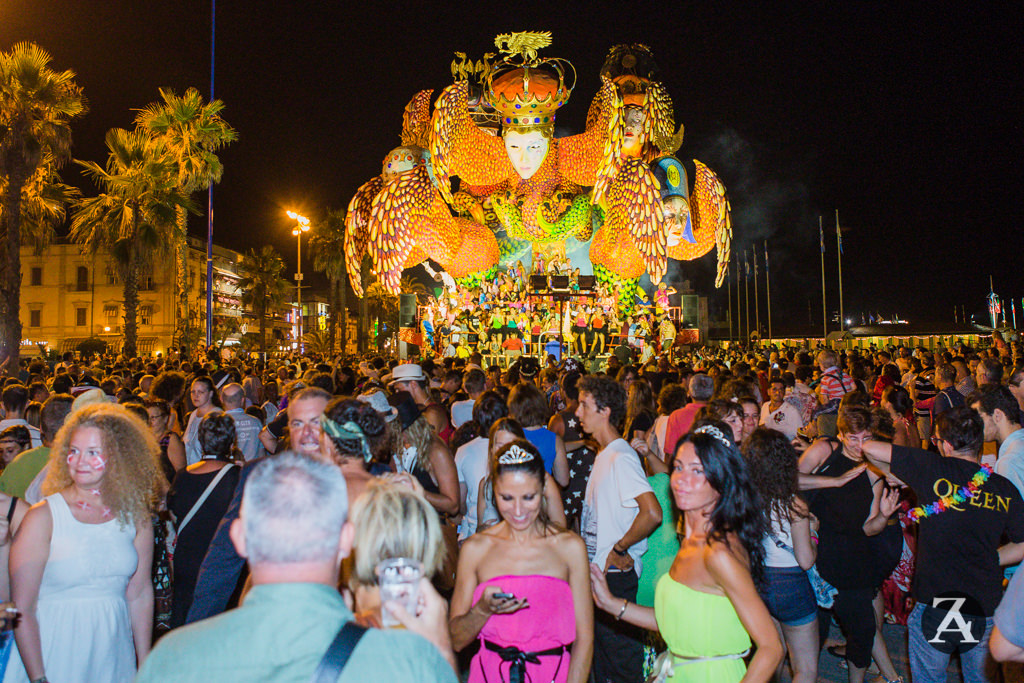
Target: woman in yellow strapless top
(706, 607)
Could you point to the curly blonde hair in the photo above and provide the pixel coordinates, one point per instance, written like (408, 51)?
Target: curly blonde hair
(131, 484)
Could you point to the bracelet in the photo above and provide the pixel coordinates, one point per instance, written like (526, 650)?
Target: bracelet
(41, 679)
(620, 553)
(625, 603)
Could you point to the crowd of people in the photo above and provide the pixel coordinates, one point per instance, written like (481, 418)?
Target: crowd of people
(705, 518)
(504, 319)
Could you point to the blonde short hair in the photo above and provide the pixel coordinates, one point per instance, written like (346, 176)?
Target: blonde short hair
(392, 521)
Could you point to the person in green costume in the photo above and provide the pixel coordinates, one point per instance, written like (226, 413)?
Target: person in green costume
(706, 607)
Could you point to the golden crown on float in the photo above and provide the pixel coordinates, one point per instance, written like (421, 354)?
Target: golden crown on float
(525, 90)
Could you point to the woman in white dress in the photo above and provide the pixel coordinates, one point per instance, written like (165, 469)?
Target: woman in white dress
(81, 562)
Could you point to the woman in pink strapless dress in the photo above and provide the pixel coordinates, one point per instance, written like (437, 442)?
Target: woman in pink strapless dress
(522, 587)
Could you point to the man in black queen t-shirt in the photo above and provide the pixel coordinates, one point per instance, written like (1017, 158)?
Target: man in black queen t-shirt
(958, 549)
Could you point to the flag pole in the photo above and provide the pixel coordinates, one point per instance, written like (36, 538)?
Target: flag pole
(824, 310)
(839, 242)
(739, 305)
(768, 289)
(728, 279)
(757, 306)
(746, 293)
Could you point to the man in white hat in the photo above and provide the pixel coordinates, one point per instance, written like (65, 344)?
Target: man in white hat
(410, 377)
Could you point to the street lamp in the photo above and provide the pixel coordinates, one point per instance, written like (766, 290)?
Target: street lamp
(302, 225)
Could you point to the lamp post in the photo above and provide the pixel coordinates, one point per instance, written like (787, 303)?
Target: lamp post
(302, 225)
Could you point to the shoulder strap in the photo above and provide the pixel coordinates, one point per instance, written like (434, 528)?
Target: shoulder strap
(10, 510)
(334, 660)
(202, 499)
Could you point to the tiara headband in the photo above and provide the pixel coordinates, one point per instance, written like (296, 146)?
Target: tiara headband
(515, 455)
(348, 431)
(715, 432)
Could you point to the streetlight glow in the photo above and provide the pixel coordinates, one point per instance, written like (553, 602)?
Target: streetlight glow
(302, 225)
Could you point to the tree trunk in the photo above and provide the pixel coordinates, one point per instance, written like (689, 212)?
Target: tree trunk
(261, 307)
(343, 307)
(362, 331)
(332, 326)
(131, 300)
(183, 321)
(12, 294)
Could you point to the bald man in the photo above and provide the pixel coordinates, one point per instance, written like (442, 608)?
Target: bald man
(247, 427)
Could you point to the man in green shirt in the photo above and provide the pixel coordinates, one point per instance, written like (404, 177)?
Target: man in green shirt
(23, 469)
(293, 531)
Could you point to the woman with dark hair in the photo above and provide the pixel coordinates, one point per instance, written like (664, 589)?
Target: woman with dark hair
(527, 405)
(640, 410)
(896, 401)
(714, 573)
(789, 549)
(354, 436)
(522, 587)
(890, 376)
(579, 456)
(203, 394)
(197, 500)
(859, 544)
(172, 449)
(729, 412)
(13, 441)
(170, 386)
(503, 432)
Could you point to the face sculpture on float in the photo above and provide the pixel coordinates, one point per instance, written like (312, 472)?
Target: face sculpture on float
(526, 151)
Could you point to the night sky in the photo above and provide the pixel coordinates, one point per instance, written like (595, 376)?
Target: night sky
(906, 119)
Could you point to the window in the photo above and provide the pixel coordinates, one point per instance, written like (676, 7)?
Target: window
(35, 318)
(82, 279)
(145, 315)
(80, 319)
(36, 277)
(112, 276)
(111, 312)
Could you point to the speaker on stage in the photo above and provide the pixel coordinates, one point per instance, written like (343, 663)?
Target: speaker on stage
(538, 283)
(559, 282)
(587, 281)
(407, 310)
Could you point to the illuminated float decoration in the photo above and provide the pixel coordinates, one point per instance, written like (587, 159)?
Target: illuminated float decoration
(613, 199)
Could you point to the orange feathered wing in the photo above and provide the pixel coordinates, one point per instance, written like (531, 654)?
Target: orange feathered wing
(712, 223)
(459, 148)
(357, 229)
(391, 234)
(634, 219)
(580, 155)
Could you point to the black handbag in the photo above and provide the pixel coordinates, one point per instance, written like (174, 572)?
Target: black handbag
(334, 660)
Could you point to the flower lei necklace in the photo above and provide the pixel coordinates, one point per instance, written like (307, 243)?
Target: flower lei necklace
(946, 502)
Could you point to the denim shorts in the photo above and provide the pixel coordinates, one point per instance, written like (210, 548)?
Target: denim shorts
(788, 595)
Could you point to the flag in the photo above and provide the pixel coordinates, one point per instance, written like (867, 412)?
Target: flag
(839, 235)
(753, 250)
(746, 266)
(821, 235)
(766, 254)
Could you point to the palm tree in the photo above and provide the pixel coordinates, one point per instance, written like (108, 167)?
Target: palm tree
(134, 217)
(408, 285)
(365, 278)
(328, 247)
(384, 305)
(44, 199)
(36, 107)
(191, 131)
(262, 285)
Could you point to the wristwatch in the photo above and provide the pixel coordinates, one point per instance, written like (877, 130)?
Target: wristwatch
(620, 553)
